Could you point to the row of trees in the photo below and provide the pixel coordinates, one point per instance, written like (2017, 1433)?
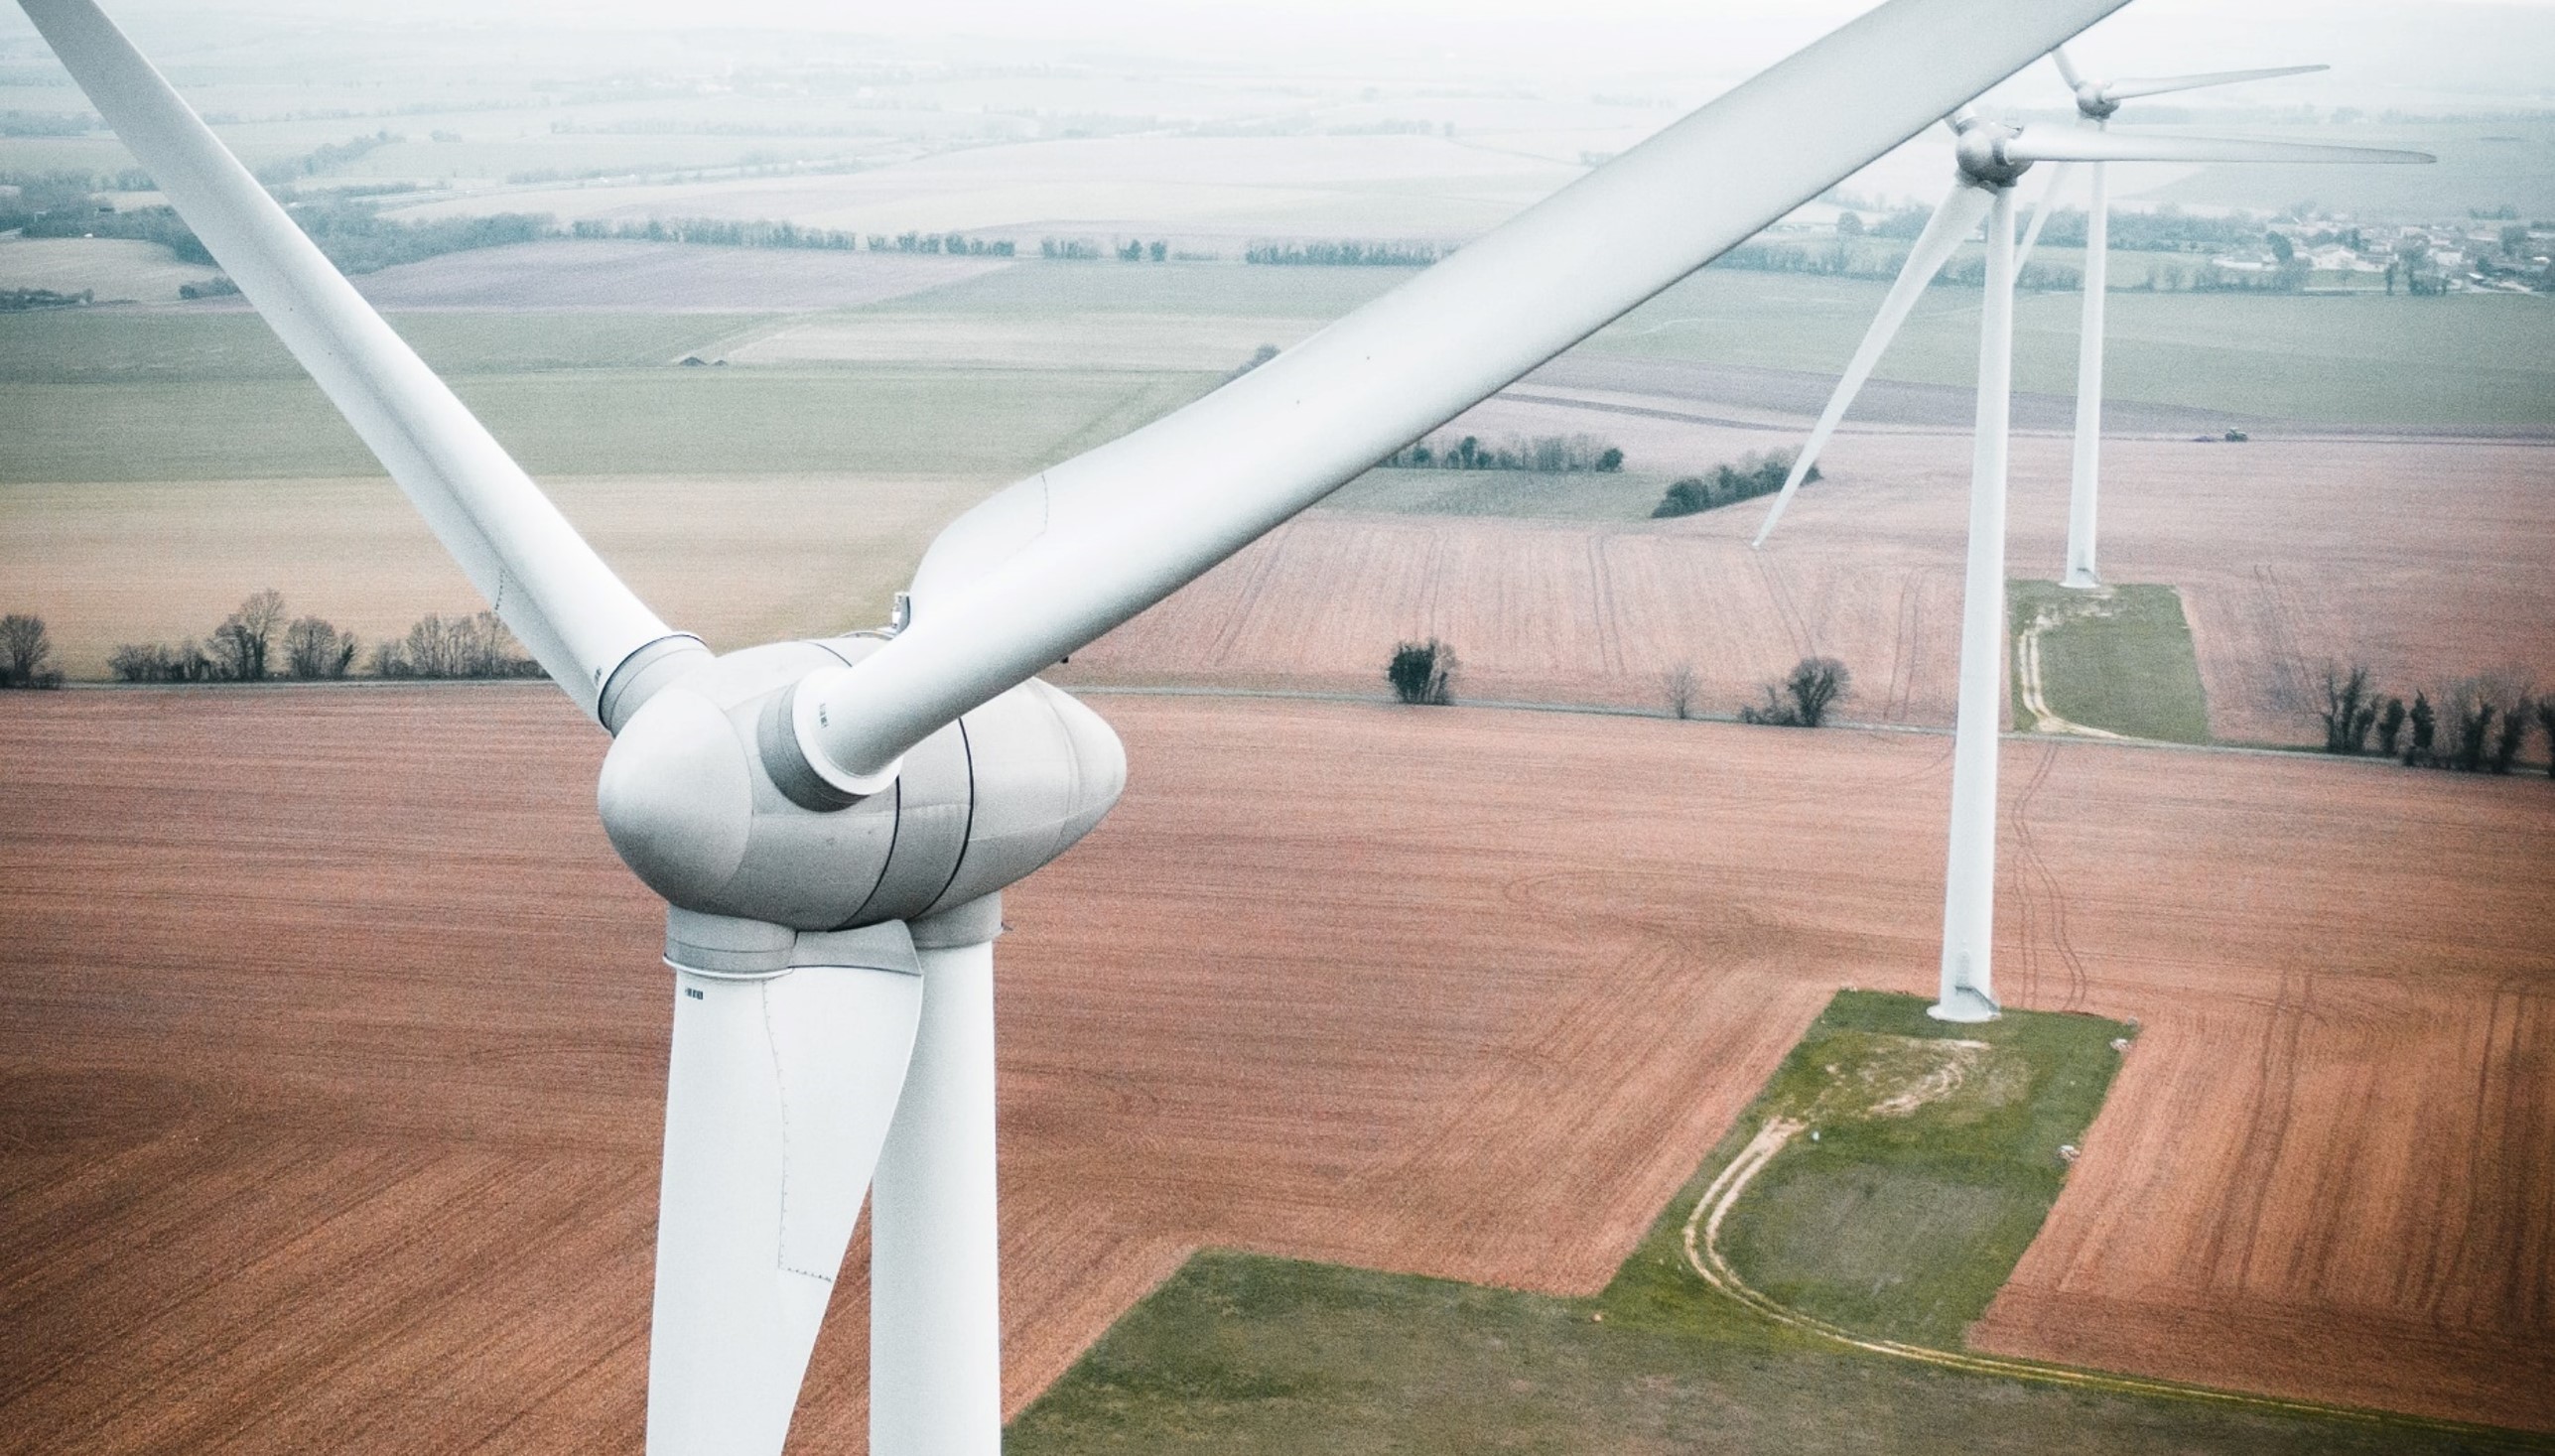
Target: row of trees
(27, 300)
(1345, 253)
(1552, 453)
(2477, 726)
(262, 641)
(1752, 476)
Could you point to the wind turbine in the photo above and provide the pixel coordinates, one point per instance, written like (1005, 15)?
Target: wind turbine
(831, 822)
(1989, 158)
(2095, 105)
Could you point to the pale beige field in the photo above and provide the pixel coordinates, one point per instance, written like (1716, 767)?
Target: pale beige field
(335, 1039)
(1118, 341)
(1352, 186)
(2422, 559)
(156, 561)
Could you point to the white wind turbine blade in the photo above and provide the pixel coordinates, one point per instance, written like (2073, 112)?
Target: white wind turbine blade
(544, 581)
(935, 1245)
(777, 1102)
(2065, 69)
(1055, 560)
(2052, 144)
(2132, 88)
(1954, 219)
(2059, 177)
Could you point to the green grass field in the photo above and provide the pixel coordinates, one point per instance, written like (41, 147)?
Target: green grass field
(2464, 359)
(1244, 1353)
(658, 420)
(1905, 1223)
(2121, 659)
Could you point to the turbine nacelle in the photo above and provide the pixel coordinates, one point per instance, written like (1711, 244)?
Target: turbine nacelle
(692, 803)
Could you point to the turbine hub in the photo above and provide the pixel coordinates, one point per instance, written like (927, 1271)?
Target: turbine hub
(1982, 153)
(2092, 104)
(691, 804)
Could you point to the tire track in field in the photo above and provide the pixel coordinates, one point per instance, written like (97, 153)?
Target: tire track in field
(1246, 597)
(2034, 867)
(1779, 593)
(2226, 1254)
(1904, 652)
(2282, 686)
(1601, 601)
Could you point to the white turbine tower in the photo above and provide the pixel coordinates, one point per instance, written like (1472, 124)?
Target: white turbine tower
(2095, 105)
(1991, 158)
(831, 822)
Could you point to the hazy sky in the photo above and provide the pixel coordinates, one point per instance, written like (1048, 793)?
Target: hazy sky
(2385, 52)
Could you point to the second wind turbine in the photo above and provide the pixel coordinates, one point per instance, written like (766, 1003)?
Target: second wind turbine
(1991, 158)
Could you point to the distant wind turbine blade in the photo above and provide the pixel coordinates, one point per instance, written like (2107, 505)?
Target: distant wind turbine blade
(544, 581)
(2041, 208)
(1053, 562)
(2050, 144)
(2065, 69)
(1951, 223)
(2156, 85)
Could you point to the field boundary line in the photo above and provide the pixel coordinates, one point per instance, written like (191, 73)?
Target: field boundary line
(1702, 1239)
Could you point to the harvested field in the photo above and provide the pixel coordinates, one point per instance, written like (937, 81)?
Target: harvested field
(302, 1158)
(356, 554)
(1110, 341)
(2422, 559)
(1354, 186)
(659, 278)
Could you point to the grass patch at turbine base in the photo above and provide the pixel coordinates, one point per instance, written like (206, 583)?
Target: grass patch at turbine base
(1243, 1353)
(2114, 658)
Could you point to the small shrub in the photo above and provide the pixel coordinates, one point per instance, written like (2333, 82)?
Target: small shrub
(1422, 672)
(1804, 697)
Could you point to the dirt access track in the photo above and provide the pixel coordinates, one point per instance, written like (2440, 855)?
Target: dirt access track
(334, 1044)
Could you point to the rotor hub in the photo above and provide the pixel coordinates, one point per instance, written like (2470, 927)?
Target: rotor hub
(692, 806)
(1982, 153)
(2092, 104)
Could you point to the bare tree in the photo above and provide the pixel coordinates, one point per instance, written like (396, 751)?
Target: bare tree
(2425, 721)
(2390, 725)
(437, 646)
(2350, 710)
(244, 636)
(26, 648)
(2545, 708)
(1804, 697)
(1422, 672)
(2515, 731)
(1677, 685)
(316, 649)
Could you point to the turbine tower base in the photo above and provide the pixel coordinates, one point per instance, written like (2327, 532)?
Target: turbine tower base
(1964, 1004)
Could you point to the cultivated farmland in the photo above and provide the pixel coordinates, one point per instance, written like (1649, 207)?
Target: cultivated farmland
(1471, 1000)
(2421, 557)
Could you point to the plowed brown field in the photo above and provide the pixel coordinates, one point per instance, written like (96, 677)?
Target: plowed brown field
(2424, 560)
(334, 1040)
